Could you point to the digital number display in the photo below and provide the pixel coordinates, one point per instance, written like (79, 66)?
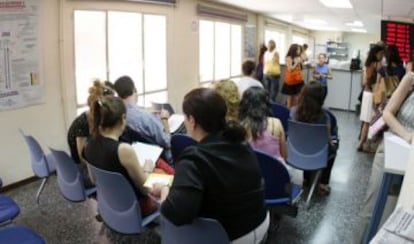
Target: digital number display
(400, 35)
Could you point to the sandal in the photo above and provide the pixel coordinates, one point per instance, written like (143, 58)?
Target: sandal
(324, 189)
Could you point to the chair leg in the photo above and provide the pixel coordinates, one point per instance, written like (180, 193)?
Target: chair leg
(314, 183)
(42, 186)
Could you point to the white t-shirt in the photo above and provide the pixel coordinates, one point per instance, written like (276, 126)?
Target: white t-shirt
(246, 82)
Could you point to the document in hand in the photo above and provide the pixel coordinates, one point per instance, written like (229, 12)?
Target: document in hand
(146, 151)
(175, 121)
(158, 178)
(396, 150)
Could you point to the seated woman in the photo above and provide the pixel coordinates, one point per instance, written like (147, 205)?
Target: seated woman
(264, 133)
(309, 110)
(104, 151)
(79, 129)
(218, 178)
(230, 92)
(399, 116)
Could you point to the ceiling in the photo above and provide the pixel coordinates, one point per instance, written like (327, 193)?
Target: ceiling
(312, 14)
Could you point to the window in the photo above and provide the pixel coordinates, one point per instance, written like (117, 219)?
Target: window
(109, 44)
(220, 50)
(280, 40)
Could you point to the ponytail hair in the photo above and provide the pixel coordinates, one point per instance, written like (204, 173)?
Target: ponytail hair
(209, 109)
(108, 112)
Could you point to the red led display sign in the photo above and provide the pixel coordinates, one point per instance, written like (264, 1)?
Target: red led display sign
(399, 34)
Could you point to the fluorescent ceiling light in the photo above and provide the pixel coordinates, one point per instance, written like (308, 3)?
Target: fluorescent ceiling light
(356, 23)
(359, 30)
(336, 3)
(321, 28)
(315, 21)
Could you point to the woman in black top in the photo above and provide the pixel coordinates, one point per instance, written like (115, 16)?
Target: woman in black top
(220, 177)
(106, 152)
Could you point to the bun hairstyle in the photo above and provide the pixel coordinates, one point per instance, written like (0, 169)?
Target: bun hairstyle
(108, 113)
(98, 90)
(209, 109)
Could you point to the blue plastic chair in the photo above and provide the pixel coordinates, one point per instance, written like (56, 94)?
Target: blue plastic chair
(307, 147)
(8, 209)
(118, 204)
(179, 142)
(69, 177)
(20, 235)
(278, 188)
(201, 231)
(282, 113)
(166, 106)
(334, 128)
(42, 164)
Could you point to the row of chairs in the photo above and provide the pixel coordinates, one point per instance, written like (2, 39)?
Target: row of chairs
(14, 234)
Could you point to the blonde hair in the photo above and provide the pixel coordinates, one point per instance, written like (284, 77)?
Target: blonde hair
(229, 91)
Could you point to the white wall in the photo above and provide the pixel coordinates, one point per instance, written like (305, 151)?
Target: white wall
(360, 41)
(45, 121)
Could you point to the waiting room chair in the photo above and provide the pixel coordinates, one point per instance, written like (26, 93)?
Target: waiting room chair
(282, 113)
(8, 208)
(179, 142)
(278, 187)
(158, 106)
(334, 128)
(69, 177)
(117, 203)
(307, 149)
(42, 164)
(201, 231)
(18, 234)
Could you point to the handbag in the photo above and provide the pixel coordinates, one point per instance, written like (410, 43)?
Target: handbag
(294, 77)
(384, 88)
(377, 126)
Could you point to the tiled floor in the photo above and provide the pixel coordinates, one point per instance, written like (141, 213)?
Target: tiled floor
(329, 220)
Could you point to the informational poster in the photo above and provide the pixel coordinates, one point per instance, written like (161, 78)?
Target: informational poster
(20, 77)
(250, 42)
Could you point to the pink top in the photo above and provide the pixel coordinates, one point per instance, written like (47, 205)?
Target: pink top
(268, 144)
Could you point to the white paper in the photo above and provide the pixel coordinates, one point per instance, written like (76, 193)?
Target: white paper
(20, 63)
(158, 178)
(385, 237)
(396, 152)
(175, 121)
(401, 223)
(147, 152)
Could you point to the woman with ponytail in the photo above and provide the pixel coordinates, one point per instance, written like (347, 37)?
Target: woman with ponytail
(104, 151)
(220, 177)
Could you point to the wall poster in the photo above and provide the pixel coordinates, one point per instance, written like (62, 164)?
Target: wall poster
(20, 77)
(250, 42)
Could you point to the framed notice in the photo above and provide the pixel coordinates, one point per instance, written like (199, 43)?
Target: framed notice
(20, 77)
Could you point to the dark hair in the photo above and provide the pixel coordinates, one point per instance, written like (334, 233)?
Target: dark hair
(372, 54)
(124, 86)
(310, 103)
(254, 110)
(293, 49)
(109, 85)
(248, 67)
(209, 109)
(108, 112)
(263, 49)
(392, 56)
(305, 46)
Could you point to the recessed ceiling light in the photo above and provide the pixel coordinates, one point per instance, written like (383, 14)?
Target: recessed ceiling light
(359, 30)
(356, 23)
(336, 3)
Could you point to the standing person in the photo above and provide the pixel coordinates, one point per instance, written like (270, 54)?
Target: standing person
(260, 63)
(322, 73)
(304, 55)
(248, 79)
(79, 130)
(293, 81)
(271, 70)
(218, 178)
(104, 150)
(399, 117)
(369, 78)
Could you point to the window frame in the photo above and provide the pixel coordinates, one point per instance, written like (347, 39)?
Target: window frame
(141, 94)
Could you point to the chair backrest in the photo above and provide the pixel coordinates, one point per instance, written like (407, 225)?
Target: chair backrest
(69, 178)
(307, 145)
(38, 159)
(117, 202)
(166, 106)
(1, 182)
(275, 175)
(201, 231)
(334, 125)
(282, 113)
(179, 142)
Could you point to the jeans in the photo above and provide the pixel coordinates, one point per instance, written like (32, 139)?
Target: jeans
(271, 84)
